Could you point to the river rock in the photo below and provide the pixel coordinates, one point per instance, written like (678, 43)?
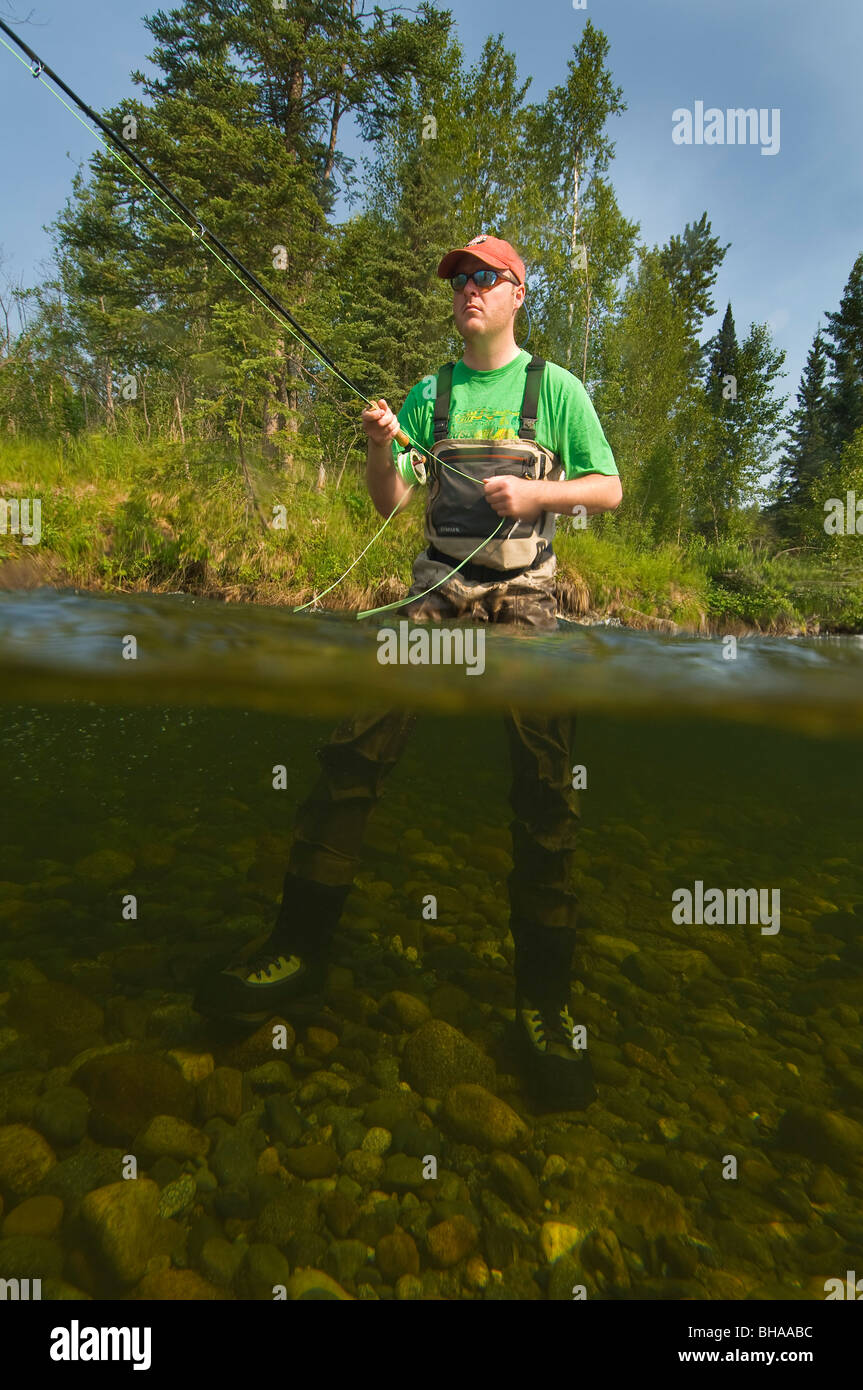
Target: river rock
(396, 1254)
(405, 1009)
(57, 1015)
(30, 1257)
(824, 1135)
(175, 1286)
(61, 1115)
(179, 1196)
(312, 1161)
(556, 1238)
(166, 1136)
(121, 1219)
(376, 1140)
(309, 1284)
(221, 1093)
(127, 1090)
(25, 1159)
(194, 1066)
(438, 1057)
(363, 1167)
(450, 1241)
(105, 867)
(282, 1217)
(514, 1181)
(344, 1259)
(36, 1216)
(260, 1046)
(483, 1119)
(72, 1178)
(283, 1119)
(220, 1260)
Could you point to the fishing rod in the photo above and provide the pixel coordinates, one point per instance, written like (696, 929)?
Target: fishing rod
(233, 265)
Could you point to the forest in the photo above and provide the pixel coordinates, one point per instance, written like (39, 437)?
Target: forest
(181, 438)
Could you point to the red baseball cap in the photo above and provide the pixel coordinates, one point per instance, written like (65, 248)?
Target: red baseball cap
(488, 249)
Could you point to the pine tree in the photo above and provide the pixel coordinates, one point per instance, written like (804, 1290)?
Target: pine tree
(845, 352)
(691, 263)
(808, 451)
(745, 421)
(578, 235)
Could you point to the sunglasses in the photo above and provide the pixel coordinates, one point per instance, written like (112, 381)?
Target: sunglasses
(483, 279)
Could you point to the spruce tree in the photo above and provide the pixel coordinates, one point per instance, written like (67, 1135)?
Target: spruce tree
(845, 352)
(808, 452)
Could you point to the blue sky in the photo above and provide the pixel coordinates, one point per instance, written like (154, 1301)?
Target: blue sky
(795, 218)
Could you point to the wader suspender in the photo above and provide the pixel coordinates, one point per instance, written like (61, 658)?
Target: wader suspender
(527, 428)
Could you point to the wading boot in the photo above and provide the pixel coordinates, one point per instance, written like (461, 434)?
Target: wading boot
(559, 1075)
(261, 985)
(291, 963)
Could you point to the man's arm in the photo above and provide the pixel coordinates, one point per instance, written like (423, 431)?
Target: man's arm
(386, 488)
(596, 492)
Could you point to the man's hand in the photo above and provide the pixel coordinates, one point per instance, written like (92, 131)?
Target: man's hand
(514, 497)
(380, 424)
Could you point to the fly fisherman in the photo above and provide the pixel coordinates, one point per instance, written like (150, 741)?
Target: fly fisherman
(527, 432)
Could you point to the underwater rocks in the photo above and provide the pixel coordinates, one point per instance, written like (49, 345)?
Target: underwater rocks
(25, 1159)
(437, 1057)
(61, 1115)
(127, 1090)
(307, 1166)
(58, 1016)
(105, 867)
(121, 1220)
(36, 1216)
(824, 1135)
(480, 1118)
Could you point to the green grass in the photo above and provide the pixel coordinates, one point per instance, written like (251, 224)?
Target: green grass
(117, 515)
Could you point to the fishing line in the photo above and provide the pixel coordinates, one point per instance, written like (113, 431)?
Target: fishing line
(269, 302)
(256, 289)
(411, 598)
(359, 557)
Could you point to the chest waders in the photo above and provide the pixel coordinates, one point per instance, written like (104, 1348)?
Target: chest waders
(458, 516)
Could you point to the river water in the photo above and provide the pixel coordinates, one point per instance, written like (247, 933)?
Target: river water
(155, 752)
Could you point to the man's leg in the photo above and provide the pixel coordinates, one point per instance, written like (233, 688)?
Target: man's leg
(543, 902)
(543, 907)
(324, 858)
(331, 822)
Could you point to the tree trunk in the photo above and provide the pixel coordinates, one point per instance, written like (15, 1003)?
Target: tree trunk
(586, 334)
(572, 246)
(144, 404)
(110, 412)
(334, 131)
(180, 419)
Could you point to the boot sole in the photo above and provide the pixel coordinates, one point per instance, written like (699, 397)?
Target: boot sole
(224, 996)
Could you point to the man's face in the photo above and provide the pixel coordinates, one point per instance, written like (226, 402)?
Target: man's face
(480, 315)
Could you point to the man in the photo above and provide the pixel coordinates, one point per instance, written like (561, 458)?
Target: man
(511, 443)
(488, 386)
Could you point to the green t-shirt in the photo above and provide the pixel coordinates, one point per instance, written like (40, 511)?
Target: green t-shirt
(487, 405)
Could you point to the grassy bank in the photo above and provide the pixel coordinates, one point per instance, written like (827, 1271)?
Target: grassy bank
(117, 516)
